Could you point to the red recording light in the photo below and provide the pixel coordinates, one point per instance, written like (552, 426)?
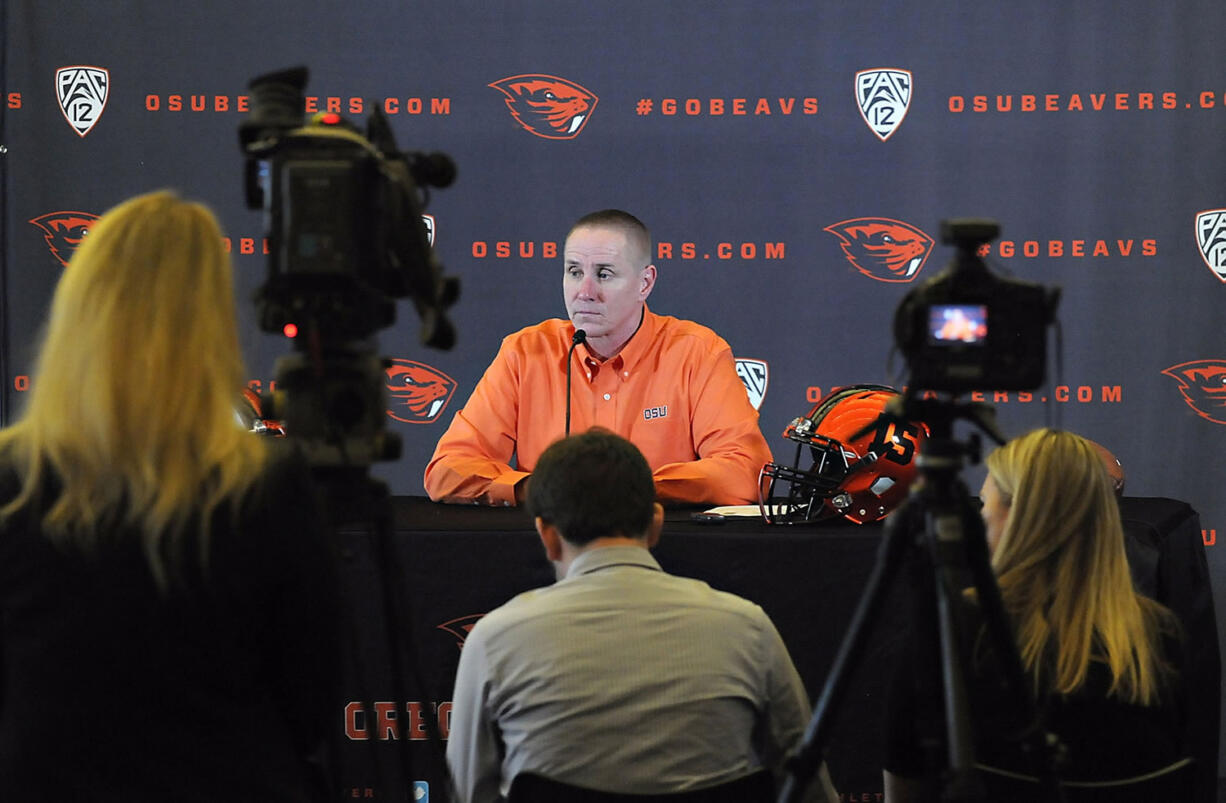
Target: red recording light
(330, 118)
(290, 330)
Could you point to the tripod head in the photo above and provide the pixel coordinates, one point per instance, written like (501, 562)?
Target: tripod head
(940, 414)
(941, 456)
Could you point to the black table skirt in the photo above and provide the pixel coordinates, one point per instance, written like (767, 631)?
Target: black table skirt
(442, 566)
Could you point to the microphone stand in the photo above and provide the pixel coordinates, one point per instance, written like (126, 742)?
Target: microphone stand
(580, 336)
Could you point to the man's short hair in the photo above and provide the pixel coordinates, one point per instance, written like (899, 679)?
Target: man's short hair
(636, 233)
(593, 485)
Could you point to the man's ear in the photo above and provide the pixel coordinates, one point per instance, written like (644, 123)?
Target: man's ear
(551, 539)
(657, 524)
(647, 280)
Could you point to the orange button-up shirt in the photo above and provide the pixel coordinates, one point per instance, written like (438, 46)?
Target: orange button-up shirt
(672, 390)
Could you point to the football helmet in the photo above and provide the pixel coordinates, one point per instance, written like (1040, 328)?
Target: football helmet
(1115, 469)
(250, 416)
(844, 465)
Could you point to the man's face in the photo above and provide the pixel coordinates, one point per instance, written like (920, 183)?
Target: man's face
(605, 282)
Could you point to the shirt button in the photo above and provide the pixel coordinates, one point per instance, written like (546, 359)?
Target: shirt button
(607, 397)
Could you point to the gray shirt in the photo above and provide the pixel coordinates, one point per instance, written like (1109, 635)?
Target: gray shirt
(621, 677)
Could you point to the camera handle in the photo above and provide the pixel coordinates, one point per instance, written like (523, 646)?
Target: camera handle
(939, 535)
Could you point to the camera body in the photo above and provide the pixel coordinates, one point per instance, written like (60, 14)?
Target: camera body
(322, 194)
(346, 238)
(343, 219)
(967, 329)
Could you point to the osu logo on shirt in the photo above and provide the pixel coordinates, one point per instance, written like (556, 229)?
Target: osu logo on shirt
(882, 248)
(418, 393)
(546, 105)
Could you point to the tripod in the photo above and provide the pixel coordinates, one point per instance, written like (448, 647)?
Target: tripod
(356, 502)
(939, 535)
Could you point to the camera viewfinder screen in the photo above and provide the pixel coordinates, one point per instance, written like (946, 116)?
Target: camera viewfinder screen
(957, 323)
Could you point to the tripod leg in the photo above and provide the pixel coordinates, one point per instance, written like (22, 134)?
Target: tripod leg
(946, 532)
(897, 542)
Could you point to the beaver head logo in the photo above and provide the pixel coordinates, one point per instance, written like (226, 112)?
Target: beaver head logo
(64, 232)
(417, 392)
(546, 105)
(883, 249)
(461, 627)
(1203, 385)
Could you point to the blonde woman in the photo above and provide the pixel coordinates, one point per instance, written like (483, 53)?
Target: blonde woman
(167, 601)
(1099, 658)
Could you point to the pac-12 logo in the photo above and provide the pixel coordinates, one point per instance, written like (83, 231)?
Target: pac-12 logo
(883, 249)
(418, 393)
(82, 92)
(1203, 385)
(754, 376)
(428, 222)
(1211, 239)
(64, 232)
(546, 105)
(883, 95)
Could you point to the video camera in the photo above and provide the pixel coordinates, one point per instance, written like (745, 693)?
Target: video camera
(343, 219)
(966, 329)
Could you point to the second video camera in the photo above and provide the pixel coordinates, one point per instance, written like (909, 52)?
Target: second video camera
(966, 329)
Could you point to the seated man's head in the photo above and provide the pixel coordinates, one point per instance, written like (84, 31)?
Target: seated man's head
(607, 277)
(593, 488)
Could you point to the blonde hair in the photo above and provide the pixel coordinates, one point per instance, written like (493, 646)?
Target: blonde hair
(1063, 572)
(131, 413)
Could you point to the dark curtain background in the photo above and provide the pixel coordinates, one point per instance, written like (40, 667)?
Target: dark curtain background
(748, 136)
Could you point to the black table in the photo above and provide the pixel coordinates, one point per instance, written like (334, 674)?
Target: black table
(451, 564)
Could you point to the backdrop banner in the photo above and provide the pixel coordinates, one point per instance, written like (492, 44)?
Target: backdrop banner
(793, 161)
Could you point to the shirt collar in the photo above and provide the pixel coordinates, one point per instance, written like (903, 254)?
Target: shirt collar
(603, 557)
(639, 344)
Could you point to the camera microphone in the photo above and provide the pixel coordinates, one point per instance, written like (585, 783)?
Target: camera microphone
(580, 336)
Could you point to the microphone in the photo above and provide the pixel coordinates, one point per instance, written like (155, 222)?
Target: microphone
(580, 337)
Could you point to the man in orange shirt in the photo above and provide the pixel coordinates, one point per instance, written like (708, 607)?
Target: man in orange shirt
(667, 385)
